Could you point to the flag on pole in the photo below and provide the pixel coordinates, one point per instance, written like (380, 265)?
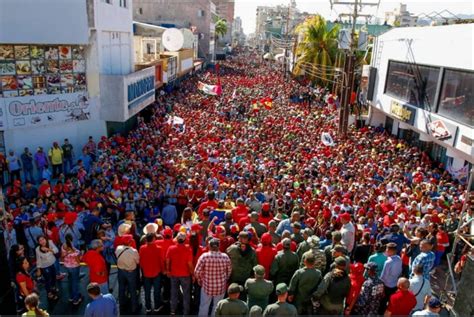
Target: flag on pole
(267, 103)
(214, 90)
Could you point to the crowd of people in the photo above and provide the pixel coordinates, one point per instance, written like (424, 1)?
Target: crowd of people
(242, 210)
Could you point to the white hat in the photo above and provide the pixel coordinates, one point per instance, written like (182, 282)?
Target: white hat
(150, 228)
(124, 228)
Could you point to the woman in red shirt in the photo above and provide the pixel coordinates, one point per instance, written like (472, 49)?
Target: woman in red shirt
(26, 285)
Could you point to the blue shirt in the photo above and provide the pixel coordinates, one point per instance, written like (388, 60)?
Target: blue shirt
(399, 239)
(284, 225)
(169, 215)
(426, 259)
(391, 271)
(378, 258)
(102, 306)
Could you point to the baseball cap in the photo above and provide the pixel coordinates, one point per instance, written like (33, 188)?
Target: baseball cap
(434, 303)
(254, 214)
(259, 270)
(281, 289)
(272, 223)
(339, 248)
(234, 288)
(296, 225)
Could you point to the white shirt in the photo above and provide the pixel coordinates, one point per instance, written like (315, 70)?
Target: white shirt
(415, 286)
(46, 259)
(348, 236)
(129, 259)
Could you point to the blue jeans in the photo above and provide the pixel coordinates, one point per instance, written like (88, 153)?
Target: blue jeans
(68, 164)
(39, 174)
(185, 283)
(49, 275)
(28, 175)
(73, 282)
(148, 283)
(128, 283)
(206, 301)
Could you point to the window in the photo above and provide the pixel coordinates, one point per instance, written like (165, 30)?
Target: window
(200, 13)
(457, 100)
(107, 1)
(414, 84)
(140, 10)
(123, 3)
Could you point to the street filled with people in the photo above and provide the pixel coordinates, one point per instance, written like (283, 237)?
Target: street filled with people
(232, 205)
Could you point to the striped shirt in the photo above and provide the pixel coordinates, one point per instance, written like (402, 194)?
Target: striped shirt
(212, 271)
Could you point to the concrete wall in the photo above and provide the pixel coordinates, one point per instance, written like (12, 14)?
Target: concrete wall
(447, 46)
(77, 132)
(112, 98)
(43, 22)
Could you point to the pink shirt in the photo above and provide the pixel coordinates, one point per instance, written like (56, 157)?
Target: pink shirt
(70, 257)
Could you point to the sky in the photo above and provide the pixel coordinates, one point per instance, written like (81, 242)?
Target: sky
(246, 9)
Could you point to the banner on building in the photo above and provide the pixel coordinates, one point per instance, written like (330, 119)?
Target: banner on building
(214, 90)
(459, 174)
(442, 130)
(35, 111)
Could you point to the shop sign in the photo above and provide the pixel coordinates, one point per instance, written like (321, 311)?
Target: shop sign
(402, 112)
(33, 111)
(140, 89)
(442, 130)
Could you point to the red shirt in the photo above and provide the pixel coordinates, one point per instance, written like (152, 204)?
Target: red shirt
(164, 245)
(151, 262)
(442, 241)
(22, 278)
(401, 303)
(179, 256)
(264, 220)
(97, 267)
(239, 212)
(210, 204)
(265, 256)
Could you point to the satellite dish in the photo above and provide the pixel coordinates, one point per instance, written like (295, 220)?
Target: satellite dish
(188, 38)
(173, 39)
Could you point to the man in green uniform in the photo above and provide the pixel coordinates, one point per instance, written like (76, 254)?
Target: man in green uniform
(285, 264)
(296, 235)
(303, 284)
(336, 240)
(281, 307)
(232, 305)
(304, 246)
(340, 251)
(319, 255)
(334, 288)
(243, 259)
(258, 289)
(259, 228)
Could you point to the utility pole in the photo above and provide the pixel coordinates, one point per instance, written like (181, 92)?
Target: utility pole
(286, 38)
(349, 63)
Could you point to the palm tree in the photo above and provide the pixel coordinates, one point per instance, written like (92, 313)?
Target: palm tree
(221, 27)
(316, 50)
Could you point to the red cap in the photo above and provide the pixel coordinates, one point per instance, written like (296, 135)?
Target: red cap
(266, 238)
(265, 206)
(310, 222)
(70, 217)
(51, 217)
(176, 227)
(168, 232)
(345, 216)
(17, 183)
(337, 208)
(220, 230)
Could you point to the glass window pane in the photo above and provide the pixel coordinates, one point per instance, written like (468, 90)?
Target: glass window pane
(457, 100)
(414, 84)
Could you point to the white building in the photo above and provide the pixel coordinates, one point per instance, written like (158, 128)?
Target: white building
(66, 71)
(400, 17)
(424, 89)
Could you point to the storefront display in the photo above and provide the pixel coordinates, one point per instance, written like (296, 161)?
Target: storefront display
(27, 70)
